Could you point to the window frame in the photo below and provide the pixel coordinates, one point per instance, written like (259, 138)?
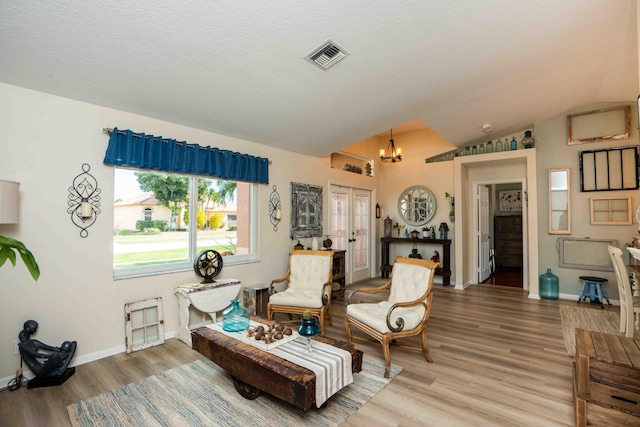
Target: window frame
(177, 267)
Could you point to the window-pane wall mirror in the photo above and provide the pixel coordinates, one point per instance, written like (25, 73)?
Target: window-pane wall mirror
(559, 201)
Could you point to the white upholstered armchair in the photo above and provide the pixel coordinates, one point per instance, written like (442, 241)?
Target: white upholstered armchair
(404, 313)
(309, 286)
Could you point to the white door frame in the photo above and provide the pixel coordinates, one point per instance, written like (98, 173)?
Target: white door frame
(525, 226)
(373, 248)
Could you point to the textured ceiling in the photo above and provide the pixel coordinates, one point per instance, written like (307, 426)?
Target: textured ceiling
(237, 68)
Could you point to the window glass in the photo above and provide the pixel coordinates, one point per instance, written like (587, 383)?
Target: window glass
(154, 228)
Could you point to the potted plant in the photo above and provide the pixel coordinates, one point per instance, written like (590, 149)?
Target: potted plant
(398, 227)
(452, 214)
(425, 232)
(7, 248)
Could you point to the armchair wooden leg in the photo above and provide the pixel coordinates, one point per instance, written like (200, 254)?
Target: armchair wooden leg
(425, 346)
(387, 356)
(348, 326)
(321, 322)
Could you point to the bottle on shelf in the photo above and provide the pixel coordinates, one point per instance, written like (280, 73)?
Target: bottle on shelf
(514, 144)
(489, 147)
(499, 145)
(474, 150)
(481, 149)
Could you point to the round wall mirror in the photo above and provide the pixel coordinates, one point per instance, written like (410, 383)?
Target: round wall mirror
(417, 205)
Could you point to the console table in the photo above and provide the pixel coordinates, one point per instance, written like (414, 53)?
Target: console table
(445, 255)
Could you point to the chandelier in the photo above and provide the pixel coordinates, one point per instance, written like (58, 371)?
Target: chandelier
(394, 155)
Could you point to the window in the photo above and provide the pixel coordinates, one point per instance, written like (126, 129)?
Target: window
(155, 232)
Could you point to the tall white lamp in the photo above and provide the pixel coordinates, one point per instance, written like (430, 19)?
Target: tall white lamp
(9, 202)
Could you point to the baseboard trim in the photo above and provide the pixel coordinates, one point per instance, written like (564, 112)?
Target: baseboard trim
(79, 360)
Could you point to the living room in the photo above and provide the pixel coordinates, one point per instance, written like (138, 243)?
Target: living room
(46, 137)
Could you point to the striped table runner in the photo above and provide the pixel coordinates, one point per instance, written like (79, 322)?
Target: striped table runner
(331, 365)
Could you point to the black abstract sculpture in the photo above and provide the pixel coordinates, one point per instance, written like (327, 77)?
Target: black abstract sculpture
(49, 364)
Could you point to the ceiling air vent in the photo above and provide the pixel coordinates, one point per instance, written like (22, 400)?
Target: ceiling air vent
(326, 55)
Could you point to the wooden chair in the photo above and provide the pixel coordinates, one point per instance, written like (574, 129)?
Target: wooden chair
(309, 286)
(404, 313)
(629, 305)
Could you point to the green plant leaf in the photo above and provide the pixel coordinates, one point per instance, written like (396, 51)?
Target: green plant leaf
(7, 248)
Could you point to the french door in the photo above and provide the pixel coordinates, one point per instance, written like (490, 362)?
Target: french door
(350, 225)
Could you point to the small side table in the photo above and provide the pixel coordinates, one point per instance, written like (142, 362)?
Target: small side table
(593, 288)
(255, 299)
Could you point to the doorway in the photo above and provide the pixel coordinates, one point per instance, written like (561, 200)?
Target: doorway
(350, 228)
(499, 226)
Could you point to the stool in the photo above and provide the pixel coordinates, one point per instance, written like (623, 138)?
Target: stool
(592, 287)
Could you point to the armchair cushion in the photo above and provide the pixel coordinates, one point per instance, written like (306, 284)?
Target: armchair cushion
(409, 282)
(309, 273)
(375, 315)
(297, 298)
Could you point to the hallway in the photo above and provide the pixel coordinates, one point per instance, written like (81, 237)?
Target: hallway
(506, 276)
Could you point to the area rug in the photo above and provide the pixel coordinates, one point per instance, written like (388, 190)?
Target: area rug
(202, 394)
(592, 319)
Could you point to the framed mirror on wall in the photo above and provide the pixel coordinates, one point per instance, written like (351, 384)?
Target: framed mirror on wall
(417, 205)
(559, 201)
(306, 211)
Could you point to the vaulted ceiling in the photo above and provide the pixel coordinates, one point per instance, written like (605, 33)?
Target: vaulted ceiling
(237, 68)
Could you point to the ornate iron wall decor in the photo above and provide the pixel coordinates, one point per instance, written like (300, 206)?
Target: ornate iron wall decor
(306, 211)
(275, 208)
(84, 200)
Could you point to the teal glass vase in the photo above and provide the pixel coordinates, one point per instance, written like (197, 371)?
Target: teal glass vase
(549, 285)
(235, 318)
(514, 144)
(309, 328)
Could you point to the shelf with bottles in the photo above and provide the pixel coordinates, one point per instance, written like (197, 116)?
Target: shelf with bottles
(511, 142)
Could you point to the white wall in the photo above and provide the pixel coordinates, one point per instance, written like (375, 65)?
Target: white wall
(44, 140)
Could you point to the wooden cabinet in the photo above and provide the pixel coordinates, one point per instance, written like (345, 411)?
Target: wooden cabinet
(508, 240)
(445, 262)
(339, 272)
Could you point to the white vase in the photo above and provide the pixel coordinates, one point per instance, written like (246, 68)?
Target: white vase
(314, 244)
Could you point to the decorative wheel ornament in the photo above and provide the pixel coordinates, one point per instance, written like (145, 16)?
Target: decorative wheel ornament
(208, 264)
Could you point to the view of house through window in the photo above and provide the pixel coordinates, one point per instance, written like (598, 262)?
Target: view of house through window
(153, 221)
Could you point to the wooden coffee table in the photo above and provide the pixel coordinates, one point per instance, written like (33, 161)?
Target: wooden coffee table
(255, 371)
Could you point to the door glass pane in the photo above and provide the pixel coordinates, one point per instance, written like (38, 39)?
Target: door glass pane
(361, 229)
(151, 314)
(138, 336)
(152, 333)
(339, 220)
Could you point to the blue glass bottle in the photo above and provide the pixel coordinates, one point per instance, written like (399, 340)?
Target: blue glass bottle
(489, 147)
(235, 318)
(549, 285)
(514, 144)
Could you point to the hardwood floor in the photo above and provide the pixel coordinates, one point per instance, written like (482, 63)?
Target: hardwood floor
(506, 276)
(499, 360)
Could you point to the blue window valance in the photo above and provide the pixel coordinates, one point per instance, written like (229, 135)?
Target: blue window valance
(138, 150)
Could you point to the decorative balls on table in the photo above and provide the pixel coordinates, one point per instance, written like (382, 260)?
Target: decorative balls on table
(272, 333)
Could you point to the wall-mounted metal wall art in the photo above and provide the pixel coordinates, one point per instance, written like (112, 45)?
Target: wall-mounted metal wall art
(306, 211)
(609, 169)
(84, 200)
(275, 208)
